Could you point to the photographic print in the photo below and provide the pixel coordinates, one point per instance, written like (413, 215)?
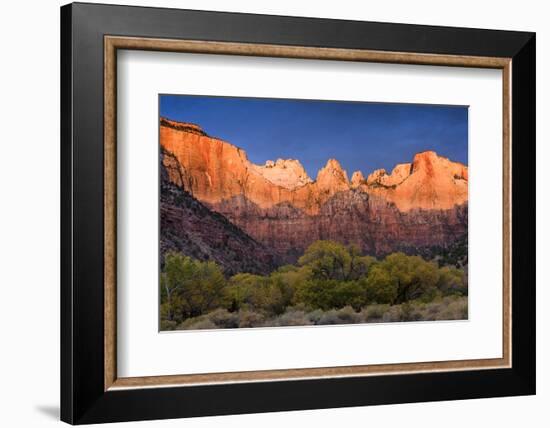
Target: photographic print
(285, 212)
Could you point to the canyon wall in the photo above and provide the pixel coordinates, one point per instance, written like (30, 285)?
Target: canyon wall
(190, 227)
(419, 204)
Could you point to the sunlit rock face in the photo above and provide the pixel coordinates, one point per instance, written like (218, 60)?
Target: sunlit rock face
(418, 204)
(287, 173)
(357, 179)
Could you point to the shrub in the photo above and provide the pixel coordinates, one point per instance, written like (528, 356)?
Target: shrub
(166, 325)
(250, 319)
(197, 323)
(411, 311)
(291, 318)
(329, 317)
(332, 284)
(448, 308)
(224, 319)
(346, 315)
(314, 316)
(393, 314)
(374, 312)
(204, 324)
(454, 309)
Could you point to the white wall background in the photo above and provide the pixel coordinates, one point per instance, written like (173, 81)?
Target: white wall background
(29, 214)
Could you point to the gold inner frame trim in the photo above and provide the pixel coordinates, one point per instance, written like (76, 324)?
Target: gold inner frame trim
(113, 43)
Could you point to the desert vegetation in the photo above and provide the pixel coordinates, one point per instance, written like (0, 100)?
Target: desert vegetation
(330, 284)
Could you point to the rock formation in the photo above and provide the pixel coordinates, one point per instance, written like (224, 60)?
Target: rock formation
(188, 226)
(420, 204)
(287, 173)
(357, 179)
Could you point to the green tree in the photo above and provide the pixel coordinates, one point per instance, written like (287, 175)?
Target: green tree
(270, 294)
(452, 281)
(189, 287)
(328, 294)
(328, 260)
(332, 260)
(380, 286)
(361, 266)
(414, 275)
(172, 279)
(329, 276)
(317, 293)
(349, 293)
(288, 281)
(241, 288)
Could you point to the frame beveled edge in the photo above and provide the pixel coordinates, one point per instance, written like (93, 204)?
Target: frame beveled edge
(110, 233)
(112, 43)
(66, 214)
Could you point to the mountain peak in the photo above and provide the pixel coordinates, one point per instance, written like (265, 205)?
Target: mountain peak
(333, 164)
(376, 176)
(287, 173)
(429, 182)
(426, 154)
(399, 173)
(427, 161)
(433, 165)
(216, 171)
(357, 179)
(332, 176)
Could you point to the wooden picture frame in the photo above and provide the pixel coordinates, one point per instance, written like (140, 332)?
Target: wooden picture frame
(91, 390)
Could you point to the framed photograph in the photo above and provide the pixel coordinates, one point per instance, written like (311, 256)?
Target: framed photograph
(266, 213)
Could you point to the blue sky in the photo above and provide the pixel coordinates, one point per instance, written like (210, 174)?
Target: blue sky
(362, 136)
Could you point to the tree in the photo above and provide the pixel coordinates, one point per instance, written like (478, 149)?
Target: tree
(414, 275)
(360, 266)
(317, 293)
(207, 288)
(287, 281)
(246, 290)
(327, 260)
(452, 281)
(328, 294)
(329, 276)
(173, 278)
(269, 294)
(332, 260)
(380, 286)
(349, 293)
(189, 287)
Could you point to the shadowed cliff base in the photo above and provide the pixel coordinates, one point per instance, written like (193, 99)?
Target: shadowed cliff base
(377, 227)
(189, 227)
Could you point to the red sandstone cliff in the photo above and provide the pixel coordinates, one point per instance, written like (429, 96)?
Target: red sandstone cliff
(422, 203)
(189, 227)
